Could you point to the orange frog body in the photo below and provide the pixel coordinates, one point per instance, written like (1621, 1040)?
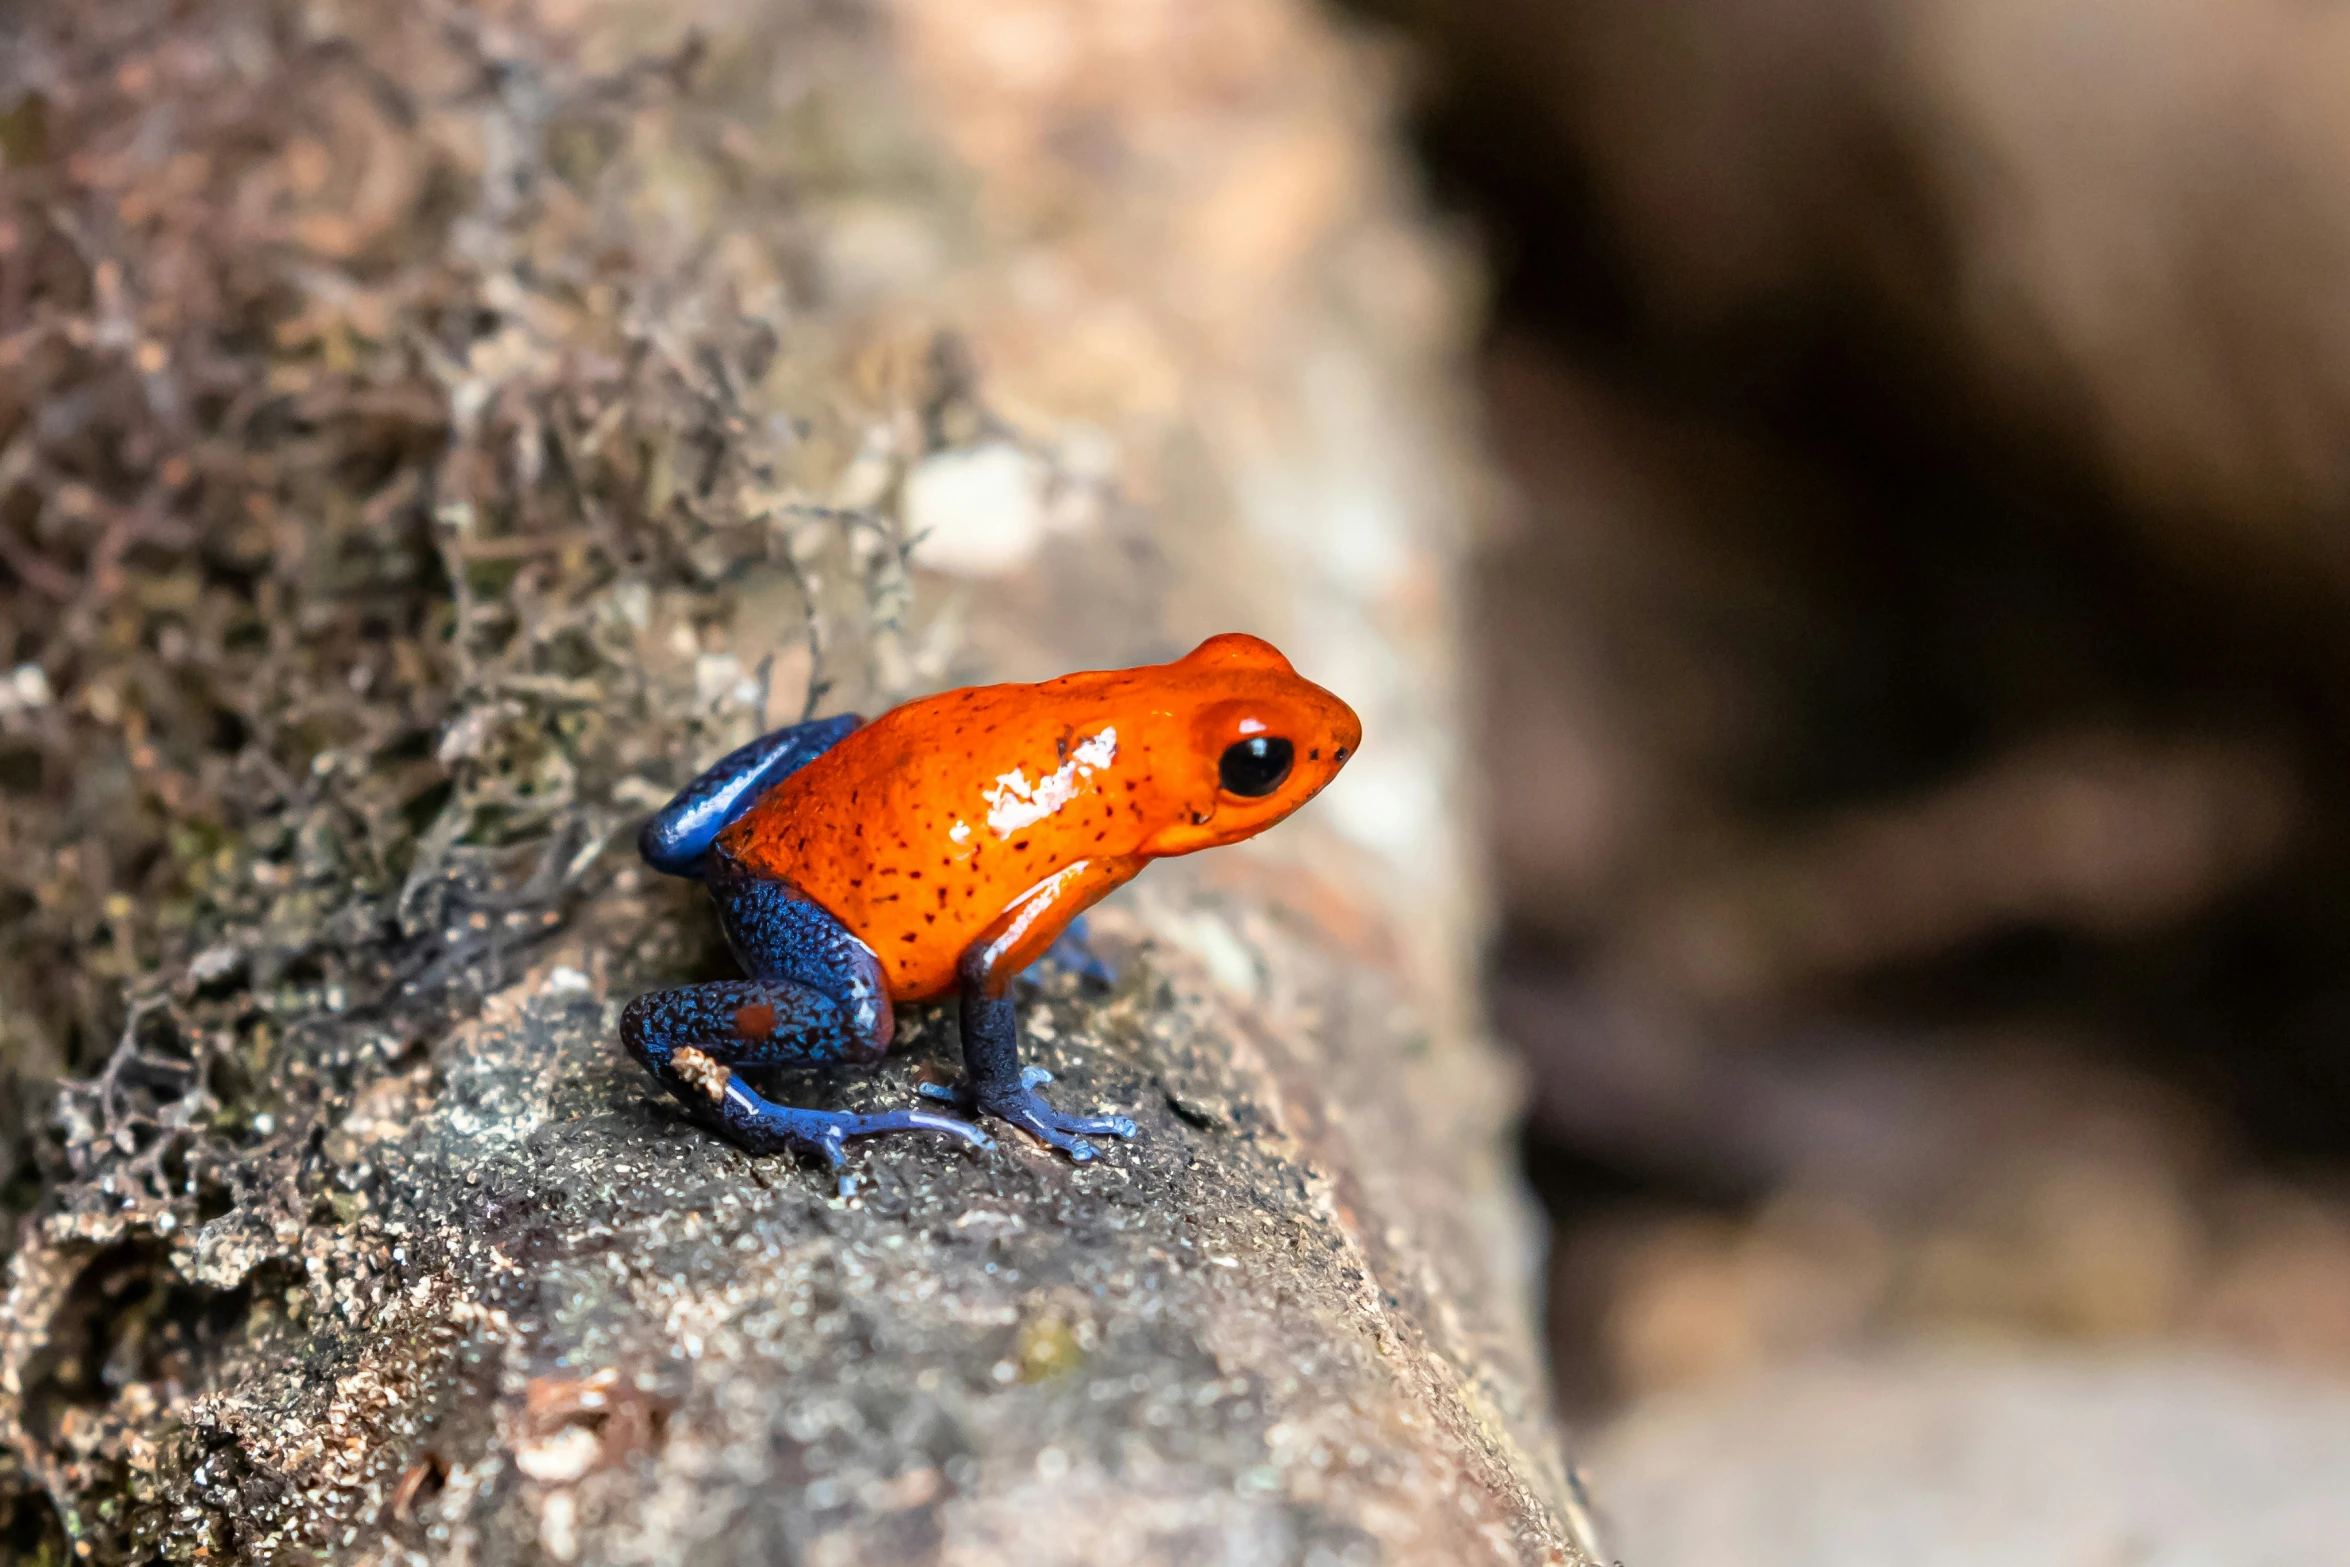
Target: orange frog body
(920, 829)
(944, 847)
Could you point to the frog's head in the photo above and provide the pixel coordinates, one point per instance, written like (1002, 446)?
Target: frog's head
(1260, 740)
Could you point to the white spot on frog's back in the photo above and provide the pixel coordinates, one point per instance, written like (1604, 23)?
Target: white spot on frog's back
(1013, 802)
(960, 832)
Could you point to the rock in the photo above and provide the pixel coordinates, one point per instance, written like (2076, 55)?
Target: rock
(2158, 1458)
(978, 511)
(364, 1241)
(2036, 227)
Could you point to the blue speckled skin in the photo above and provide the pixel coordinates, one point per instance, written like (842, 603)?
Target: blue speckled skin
(814, 996)
(816, 988)
(675, 839)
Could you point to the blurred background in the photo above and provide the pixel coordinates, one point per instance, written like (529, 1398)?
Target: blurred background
(1911, 630)
(1913, 666)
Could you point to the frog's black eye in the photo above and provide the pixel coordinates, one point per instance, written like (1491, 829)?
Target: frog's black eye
(1255, 766)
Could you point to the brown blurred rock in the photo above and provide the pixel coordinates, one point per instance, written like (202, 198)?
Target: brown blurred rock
(1817, 1192)
(1662, 623)
(1965, 1458)
(1915, 722)
(2104, 834)
(2115, 230)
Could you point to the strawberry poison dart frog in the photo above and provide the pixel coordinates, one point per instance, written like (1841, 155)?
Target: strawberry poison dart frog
(943, 848)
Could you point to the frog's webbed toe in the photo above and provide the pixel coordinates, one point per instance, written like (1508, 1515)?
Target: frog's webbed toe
(762, 1126)
(1026, 1109)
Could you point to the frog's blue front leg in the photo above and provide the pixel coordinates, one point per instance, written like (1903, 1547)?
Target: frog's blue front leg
(676, 839)
(997, 1083)
(1073, 950)
(814, 997)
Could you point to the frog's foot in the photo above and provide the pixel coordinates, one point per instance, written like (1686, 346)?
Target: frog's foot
(1026, 1109)
(762, 1126)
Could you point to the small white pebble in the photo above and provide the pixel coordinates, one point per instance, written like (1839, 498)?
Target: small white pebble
(25, 688)
(976, 512)
(212, 963)
(561, 1458)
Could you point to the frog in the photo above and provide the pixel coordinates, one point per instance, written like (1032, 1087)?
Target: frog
(938, 851)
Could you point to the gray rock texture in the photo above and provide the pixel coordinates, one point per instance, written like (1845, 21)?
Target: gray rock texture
(442, 430)
(538, 1313)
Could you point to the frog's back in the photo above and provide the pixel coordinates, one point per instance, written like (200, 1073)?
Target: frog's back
(918, 829)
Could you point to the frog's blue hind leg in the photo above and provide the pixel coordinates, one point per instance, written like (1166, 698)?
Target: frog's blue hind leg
(815, 997)
(676, 839)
